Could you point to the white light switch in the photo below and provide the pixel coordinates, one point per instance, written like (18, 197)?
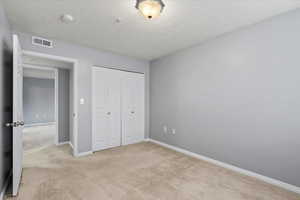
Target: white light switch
(165, 129)
(173, 131)
(82, 101)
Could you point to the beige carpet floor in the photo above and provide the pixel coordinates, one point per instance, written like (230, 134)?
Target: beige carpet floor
(136, 172)
(37, 137)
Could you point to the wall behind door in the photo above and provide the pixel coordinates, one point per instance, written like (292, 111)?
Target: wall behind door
(39, 100)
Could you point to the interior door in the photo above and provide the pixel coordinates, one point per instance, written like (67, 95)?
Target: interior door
(18, 122)
(133, 113)
(106, 108)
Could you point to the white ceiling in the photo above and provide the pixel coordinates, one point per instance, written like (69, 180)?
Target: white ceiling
(183, 23)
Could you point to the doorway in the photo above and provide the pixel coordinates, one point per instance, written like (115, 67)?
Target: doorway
(61, 126)
(40, 106)
(34, 59)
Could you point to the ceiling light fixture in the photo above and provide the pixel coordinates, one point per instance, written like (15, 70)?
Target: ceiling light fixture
(150, 8)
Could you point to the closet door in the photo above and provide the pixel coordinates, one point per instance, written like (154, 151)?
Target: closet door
(133, 98)
(106, 108)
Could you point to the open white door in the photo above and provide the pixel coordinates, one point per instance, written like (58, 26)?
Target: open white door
(18, 122)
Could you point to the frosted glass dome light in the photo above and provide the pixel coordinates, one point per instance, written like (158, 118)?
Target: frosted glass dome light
(150, 8)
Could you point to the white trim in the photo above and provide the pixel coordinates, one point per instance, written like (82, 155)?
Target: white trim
(266, 179)
(71, 145)
(36, 66)
(84, 153)
(49, 56)
(5, 185)
(56, 138)
(75, 114)
(63, 143)
(75, 88)
(92, 113)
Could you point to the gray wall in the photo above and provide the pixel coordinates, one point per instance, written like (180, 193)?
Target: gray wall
(38, 100)
(87, 58)
(63, 105)
(5, 98)
(235, 98)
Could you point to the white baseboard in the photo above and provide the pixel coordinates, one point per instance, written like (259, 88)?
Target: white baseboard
(147, 140)
(3, 191)
(83, 154)
(71, 145)
(63, 143)
(231, 167)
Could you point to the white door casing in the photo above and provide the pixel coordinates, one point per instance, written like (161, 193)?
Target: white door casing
(17, 114)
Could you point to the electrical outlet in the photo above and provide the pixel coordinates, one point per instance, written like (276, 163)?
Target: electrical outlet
(165, 129)
(173, 131)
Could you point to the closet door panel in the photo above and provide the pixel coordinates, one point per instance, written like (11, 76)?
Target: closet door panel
(132, 108)
(115, 109)
(100, 103)
(106, 109)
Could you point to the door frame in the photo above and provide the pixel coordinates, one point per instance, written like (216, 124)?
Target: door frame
(75, 64)
(55, 70)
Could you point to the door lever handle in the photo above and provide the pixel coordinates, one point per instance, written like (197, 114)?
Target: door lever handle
(20, 123)
(13, 124)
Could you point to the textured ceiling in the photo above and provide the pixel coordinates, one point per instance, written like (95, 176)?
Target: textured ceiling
(183, 23)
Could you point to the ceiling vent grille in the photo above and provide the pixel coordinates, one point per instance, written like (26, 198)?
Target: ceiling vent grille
(42, 42)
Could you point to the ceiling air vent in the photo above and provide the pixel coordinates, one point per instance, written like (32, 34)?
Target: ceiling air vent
(42, 42)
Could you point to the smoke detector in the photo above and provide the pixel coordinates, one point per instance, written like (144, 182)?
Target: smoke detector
(67, 18)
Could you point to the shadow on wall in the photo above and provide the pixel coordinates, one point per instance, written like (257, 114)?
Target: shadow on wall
(6, 97)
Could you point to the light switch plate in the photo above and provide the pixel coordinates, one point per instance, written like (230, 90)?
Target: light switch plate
(173, 131)
(165, 129)
(82, 101)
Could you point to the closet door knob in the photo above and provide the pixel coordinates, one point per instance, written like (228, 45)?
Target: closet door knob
(108, 113)
(132, 112)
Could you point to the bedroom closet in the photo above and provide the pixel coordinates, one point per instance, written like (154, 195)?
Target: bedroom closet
(118, 107)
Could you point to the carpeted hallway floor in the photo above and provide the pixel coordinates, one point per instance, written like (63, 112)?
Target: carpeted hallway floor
(37, 137)
(135, 172)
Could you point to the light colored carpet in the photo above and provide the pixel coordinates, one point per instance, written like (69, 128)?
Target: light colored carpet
(143, 171)
(37, 137)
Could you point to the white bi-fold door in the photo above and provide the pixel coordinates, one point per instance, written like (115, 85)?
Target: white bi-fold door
(118, 108)
(133, 98)
(106, 108)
